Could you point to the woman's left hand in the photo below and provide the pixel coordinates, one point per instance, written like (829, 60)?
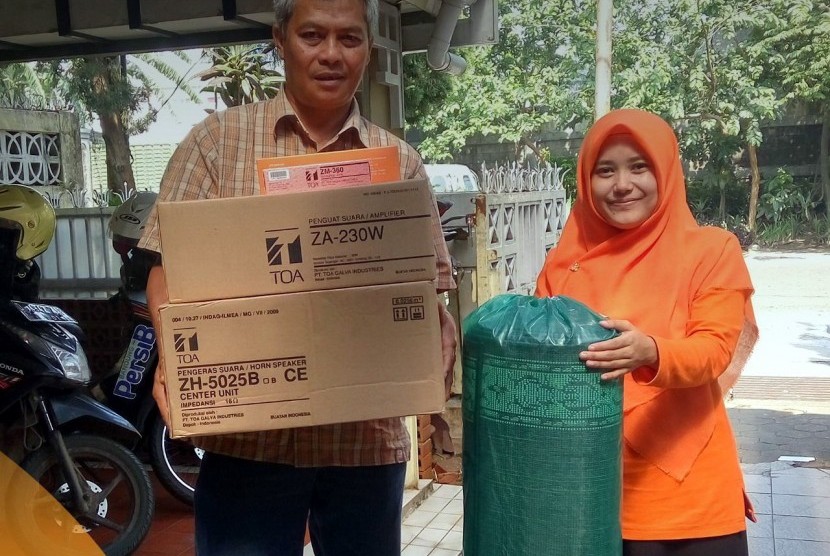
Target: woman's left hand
(621, 355)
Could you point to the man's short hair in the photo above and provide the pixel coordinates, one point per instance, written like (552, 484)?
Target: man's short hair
(284, 9)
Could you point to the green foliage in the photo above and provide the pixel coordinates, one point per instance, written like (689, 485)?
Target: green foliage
(424, 89)
(783, 231)
(534, 76)
(784, 198)
(242, 74)
(128, 86)
(22, 87)
(814, 232)
(715, 69)
(703, 197)
(568, 165)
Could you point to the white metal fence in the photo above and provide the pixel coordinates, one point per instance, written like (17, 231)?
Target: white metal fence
(80, 262)
(515, 219)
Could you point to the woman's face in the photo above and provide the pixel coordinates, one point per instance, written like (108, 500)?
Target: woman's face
(623, 186)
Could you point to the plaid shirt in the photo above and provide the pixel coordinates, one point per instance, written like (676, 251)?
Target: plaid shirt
(217, 159)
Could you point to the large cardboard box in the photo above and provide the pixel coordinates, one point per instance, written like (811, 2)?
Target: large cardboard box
(262, 245)
(328, 169)
(302, 359)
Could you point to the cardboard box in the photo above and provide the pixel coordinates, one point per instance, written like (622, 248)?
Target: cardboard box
(302, 359)
(328, 169)
(262, 245)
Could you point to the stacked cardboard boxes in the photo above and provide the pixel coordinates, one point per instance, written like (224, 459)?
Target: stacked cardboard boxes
(300, 309)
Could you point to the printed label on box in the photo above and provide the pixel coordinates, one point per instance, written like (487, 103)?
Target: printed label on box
(294, 360)
(322, 176)
(328, 169)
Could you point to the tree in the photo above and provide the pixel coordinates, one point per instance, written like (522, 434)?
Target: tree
(240, 74)
(535, 76)
(690, 61)
(795, 43)
(122, 92)
(22, 86)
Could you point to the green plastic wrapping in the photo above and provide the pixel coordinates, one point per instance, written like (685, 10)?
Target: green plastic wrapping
(542, 434)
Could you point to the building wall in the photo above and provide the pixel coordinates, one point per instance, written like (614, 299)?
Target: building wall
(27, 129)
(149, 163)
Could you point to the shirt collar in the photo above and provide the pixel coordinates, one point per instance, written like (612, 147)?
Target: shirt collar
(284, 112)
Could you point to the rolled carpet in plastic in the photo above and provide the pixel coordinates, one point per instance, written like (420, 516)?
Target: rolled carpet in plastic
(542, 434)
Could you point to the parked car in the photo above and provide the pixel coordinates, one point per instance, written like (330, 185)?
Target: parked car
(452, 178)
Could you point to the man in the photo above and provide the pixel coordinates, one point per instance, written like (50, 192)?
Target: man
(257, 490)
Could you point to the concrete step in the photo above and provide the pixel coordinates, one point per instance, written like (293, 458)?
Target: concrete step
(782, 388)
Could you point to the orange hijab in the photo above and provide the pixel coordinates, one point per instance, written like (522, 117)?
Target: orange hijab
(649, 275)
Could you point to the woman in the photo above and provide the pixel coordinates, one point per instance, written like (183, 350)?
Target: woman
(679, 295)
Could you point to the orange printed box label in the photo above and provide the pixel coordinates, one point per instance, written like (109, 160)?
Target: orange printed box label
(328, 169)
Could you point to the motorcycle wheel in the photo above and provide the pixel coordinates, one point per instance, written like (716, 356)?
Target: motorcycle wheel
(119, 490)
(175, 462)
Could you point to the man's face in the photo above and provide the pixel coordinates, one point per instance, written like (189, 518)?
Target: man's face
(325, 49)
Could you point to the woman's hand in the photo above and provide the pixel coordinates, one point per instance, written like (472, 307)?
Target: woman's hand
(621, 355)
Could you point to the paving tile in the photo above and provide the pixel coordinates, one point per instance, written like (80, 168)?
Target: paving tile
(308, 551)
(807, 484)
(409, 532)
(415, 550)
(455, 506)
(759, 546)
(453, 541)
(787, 547)
(758, 484)
(761, 502)
(445, 552)
(802, 528)
(444, 521)
(420, 517)
(802, 472)
(433, 504)
(762, 529)
(756, 468)
(447, 491)
(429, 537)
(804, 506)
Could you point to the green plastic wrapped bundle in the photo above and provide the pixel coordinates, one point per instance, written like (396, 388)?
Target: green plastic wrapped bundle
(542, 434)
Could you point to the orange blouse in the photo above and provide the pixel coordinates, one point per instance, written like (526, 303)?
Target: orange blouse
(709, 500)
(688, 287)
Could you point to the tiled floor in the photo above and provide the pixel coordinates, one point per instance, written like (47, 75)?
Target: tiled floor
(792, 503)
(435, 527)
(793, 506)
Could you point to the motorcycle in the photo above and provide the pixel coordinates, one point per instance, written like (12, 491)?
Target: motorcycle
(128, 390)
(49, 424)
(128, 387)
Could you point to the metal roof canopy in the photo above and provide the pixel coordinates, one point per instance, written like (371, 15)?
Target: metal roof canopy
(44, 29)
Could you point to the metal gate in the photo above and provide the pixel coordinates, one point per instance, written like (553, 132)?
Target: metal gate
(513, 222)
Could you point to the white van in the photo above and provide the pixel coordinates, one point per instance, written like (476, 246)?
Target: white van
(452, 178)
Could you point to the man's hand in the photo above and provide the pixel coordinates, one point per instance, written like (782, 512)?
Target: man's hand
(449, 341)
(160, 393)
(156, 297)
(621, 355)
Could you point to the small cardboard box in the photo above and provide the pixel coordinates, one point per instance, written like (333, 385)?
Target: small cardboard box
(302, 359)
(328, 169)
(313, 240)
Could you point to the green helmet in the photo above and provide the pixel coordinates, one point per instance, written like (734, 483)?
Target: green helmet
(24, 209)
